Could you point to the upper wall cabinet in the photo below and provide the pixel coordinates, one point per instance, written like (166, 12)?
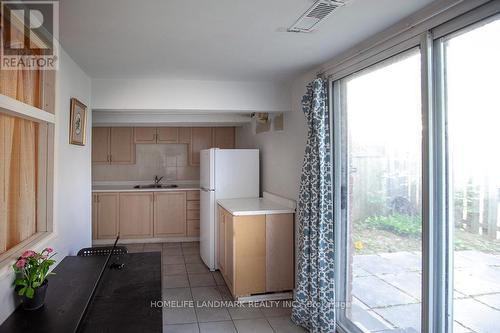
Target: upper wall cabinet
(116, 145)
(201, 138)
(113, 145)
(223, 137)
(122, 149)
(145, 135)
(100, 145)
(167, 135)
(184, 135)
(156, 135)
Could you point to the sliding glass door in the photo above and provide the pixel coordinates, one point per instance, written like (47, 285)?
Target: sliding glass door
(471, 61)
(418, 185)
(382, 153)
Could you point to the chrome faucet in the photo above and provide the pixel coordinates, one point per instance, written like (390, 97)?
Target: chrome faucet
(158, 180)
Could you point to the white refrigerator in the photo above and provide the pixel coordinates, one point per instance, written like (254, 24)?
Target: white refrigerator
(224, 174)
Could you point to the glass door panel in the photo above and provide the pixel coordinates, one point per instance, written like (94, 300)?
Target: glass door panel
(382, 109)
(472, 90)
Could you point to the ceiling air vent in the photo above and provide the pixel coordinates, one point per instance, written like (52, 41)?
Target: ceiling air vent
(315, 14)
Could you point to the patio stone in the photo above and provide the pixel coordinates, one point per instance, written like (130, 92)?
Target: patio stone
(479, 257)
(476, 316)
(376, 264)
(377, 293)
(492, 300)
(398, 330)
(457, 328)
(460, 261)
(408, 260)
(457, 294)
(358, 271)
(367, 320)
(406, 317)
(410, 282)
(477, 280)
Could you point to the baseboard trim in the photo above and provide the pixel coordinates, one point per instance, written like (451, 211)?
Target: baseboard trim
(265, 297)
(146, 240)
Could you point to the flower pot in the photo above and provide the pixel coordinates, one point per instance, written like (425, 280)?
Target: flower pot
(38, 298)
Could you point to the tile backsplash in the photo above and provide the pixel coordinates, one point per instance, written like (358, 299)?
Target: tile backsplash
(167, 160)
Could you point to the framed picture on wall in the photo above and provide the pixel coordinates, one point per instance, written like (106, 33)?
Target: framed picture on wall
(77, 123)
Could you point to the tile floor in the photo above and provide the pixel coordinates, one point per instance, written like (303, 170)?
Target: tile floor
(186, 278)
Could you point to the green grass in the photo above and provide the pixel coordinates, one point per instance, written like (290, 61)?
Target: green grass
(399, 224)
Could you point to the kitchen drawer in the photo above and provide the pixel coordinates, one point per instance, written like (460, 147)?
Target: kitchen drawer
(193, 214)
(193, 195)
(193, 228)
(193, 205)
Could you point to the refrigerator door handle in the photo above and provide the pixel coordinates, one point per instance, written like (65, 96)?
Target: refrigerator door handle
(204, 189)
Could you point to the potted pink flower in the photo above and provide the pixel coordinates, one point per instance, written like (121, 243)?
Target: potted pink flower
(31, 282)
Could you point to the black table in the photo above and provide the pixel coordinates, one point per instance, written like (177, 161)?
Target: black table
(122, 302)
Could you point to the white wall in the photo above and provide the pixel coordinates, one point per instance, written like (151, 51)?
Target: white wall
(72, 188)
(215, 96)
(281, 152)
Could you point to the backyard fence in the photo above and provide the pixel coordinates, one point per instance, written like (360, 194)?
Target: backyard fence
(383, 184)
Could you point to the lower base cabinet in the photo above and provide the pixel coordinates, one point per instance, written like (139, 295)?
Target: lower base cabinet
(142, 215)
(105, 215)
(136, 215)
(169, 214)
(256, 253)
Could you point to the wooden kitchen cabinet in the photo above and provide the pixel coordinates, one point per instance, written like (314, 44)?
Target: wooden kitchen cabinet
(167, 135)
(94, 215)
(145, 135)
(193, 195)
(105, 215)
(279, 252)
(100, 145)
(136, 214)
(145, 214)
(201, 138)
(193, 228)
(223, 137)
(113, 145)
(122, 148)
(256, 252)
(169, 214)
(222, 242)
(184, 135)
(155, 135)
(193, 213)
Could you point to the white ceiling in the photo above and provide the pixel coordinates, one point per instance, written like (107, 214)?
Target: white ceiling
(214, 40)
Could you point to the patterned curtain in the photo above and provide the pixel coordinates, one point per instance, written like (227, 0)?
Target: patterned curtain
(314, 306)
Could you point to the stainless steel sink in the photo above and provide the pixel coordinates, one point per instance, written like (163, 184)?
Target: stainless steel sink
(155, 186)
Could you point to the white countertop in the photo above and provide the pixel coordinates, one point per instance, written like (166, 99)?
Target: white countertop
(254, 206)
(130, 188)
